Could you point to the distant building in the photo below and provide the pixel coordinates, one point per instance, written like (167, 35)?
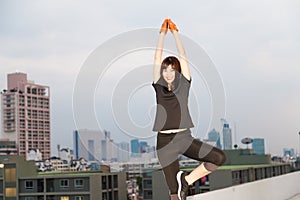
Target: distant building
(214, 136)
(123, 152)
(92, 145)
(135, 147)
(66, 154)
(144, 147)
(134, 168)
(227, 136)
(288, 152)
(25, 108)
(108, 148)
(87, 144)
(34, 154)
(258, 145)
(104, 149)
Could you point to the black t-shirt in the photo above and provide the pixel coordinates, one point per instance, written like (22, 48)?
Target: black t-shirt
(172, 106)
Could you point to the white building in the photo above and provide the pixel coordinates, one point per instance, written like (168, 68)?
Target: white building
(123, 152)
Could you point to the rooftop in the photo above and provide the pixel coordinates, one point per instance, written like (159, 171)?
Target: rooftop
(284, 187)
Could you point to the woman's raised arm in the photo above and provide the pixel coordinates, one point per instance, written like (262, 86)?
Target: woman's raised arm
(159, 51)
(185, 69)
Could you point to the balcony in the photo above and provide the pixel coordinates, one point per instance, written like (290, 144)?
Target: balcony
(284, 187)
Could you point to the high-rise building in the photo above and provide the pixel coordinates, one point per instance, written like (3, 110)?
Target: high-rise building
(258, 145)
(227, 136)
(108, 148)
(135, 147)
(214, 136)
(26, 114)
(123, 152)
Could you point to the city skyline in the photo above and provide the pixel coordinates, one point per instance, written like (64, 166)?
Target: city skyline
(253, 44)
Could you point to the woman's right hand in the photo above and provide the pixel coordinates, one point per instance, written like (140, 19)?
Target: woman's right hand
(164, 26)
(172, 26)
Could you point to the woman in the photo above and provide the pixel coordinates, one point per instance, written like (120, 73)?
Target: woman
(171, 81)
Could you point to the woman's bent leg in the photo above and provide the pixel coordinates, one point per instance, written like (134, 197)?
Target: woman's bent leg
(211, 157)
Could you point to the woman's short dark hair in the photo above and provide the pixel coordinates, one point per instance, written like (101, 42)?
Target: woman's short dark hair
(173, 61)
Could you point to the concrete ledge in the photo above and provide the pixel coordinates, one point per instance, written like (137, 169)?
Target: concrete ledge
(276, 188)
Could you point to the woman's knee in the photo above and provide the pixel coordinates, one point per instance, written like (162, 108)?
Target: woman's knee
(219, 160)
(217, 157)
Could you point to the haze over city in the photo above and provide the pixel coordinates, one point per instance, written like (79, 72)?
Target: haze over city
(254, 46)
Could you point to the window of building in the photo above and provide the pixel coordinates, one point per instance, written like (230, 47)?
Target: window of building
(104, 182)
(116, 195)
(109, 181)
(64, 183)
(28, 184)
(147, 183)
(115, 181)
(10, 192)
(29, 198)
(104, 196)
(10, 175)
(78, 197)
(50, 185)
(49, 197)
(64, 198)
(78, 183)
(148, 194)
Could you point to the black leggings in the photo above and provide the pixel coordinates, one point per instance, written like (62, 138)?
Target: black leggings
(169, 146)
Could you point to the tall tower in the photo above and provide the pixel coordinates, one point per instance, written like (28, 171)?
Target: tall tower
(26, 114)
(227, 135)
(135, 147)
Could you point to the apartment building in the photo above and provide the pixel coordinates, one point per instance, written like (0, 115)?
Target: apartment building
(25, 116)
(20, 180)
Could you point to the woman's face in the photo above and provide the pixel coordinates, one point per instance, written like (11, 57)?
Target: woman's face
(168, 74)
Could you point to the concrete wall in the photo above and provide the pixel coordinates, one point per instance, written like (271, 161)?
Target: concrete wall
(277, 188)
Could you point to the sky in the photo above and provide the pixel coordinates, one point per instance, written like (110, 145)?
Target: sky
(253, 44)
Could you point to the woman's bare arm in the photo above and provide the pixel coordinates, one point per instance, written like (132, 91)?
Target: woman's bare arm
(159, 51)
(185, 69)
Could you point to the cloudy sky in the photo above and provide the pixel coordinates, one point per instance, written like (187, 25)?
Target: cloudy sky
(254, 46)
